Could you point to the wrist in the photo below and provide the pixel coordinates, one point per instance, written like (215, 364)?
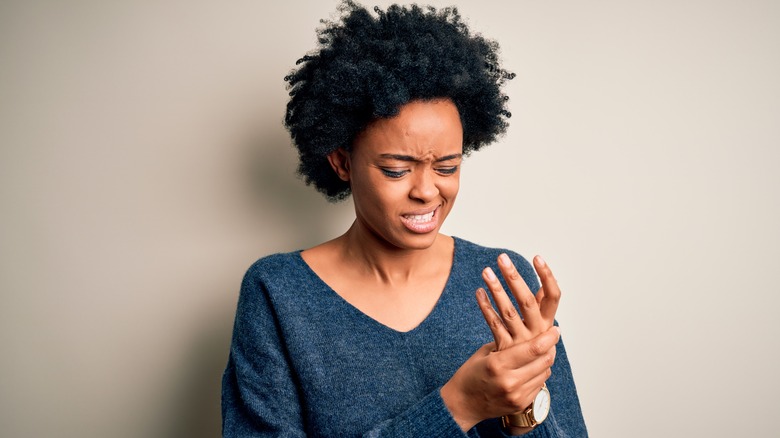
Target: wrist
(458, 406)
(531, 416)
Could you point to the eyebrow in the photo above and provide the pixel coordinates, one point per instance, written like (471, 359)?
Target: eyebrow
(415, 159)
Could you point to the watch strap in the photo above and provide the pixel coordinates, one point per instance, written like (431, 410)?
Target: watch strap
(520, 419)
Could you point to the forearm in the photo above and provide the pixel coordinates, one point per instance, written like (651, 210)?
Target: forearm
(429, 417)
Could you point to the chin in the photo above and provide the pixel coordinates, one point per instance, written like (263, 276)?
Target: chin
(418, 241)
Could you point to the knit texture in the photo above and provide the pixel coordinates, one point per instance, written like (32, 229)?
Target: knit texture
(305, 362)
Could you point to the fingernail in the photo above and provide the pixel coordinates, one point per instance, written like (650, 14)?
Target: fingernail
(490, 275)
(559, 330)
(481, 294)
(542, 263)
(504, 260)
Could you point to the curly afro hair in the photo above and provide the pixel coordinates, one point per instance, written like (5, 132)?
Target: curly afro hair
(367, 66)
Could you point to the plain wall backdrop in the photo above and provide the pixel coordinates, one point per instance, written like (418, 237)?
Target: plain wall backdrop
(144, 167)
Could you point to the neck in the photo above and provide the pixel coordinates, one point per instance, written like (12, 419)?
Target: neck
(387, 263)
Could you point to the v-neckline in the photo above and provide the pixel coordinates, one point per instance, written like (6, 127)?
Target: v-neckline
(373, 321)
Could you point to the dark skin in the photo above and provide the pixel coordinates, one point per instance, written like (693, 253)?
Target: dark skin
(538, 310)
(392, 263)
(389, 265)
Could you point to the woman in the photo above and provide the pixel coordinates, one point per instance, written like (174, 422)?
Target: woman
(376, 332)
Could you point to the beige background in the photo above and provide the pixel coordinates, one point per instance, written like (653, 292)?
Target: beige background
(143, 167)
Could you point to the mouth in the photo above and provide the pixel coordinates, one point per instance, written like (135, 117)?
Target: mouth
(421, 222)
(419, 218)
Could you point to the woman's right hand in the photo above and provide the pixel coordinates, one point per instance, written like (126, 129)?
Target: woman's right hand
(503, 377)
(492, 382)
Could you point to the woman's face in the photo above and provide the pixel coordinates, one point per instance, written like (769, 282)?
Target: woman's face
(405, 173)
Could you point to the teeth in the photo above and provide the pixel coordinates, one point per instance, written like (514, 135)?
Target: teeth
(416, 218)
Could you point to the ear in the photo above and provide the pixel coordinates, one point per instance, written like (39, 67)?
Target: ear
(339, 161)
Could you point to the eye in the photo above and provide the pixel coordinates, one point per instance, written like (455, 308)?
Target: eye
(393, 173)
(447, 170)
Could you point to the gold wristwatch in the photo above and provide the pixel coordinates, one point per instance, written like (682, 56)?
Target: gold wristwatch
(532, 415)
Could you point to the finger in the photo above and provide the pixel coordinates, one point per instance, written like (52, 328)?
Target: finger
(534, 384)
(525, 299)
(486, 349)
(523, 395)
(506, 309)
(531, 377)
(500, 334)
(526, 352)
(536, 366)
(552, 293)
(537, 372)
(539, 298)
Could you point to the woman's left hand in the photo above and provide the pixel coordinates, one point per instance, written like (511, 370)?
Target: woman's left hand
(507, 374)
(537, 313)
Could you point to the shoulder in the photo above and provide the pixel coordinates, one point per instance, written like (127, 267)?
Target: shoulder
(479, 256)
(274, 264)
(274, 272)
(471, 250)
(269, 282)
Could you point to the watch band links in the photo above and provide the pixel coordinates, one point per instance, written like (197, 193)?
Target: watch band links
(520, 419)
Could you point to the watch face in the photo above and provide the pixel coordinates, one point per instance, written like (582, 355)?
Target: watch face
(541, 405)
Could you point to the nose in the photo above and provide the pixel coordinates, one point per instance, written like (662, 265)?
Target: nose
(424, 186)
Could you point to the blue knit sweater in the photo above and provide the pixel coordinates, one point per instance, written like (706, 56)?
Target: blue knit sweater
(304, 362)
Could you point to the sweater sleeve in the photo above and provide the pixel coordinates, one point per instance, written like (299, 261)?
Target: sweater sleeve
(429, 417)
(259, 395)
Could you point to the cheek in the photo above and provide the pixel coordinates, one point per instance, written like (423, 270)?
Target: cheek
(451, 187)
(393, 196)
(376, 195)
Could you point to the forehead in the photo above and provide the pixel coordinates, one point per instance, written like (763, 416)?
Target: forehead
(422, 129)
